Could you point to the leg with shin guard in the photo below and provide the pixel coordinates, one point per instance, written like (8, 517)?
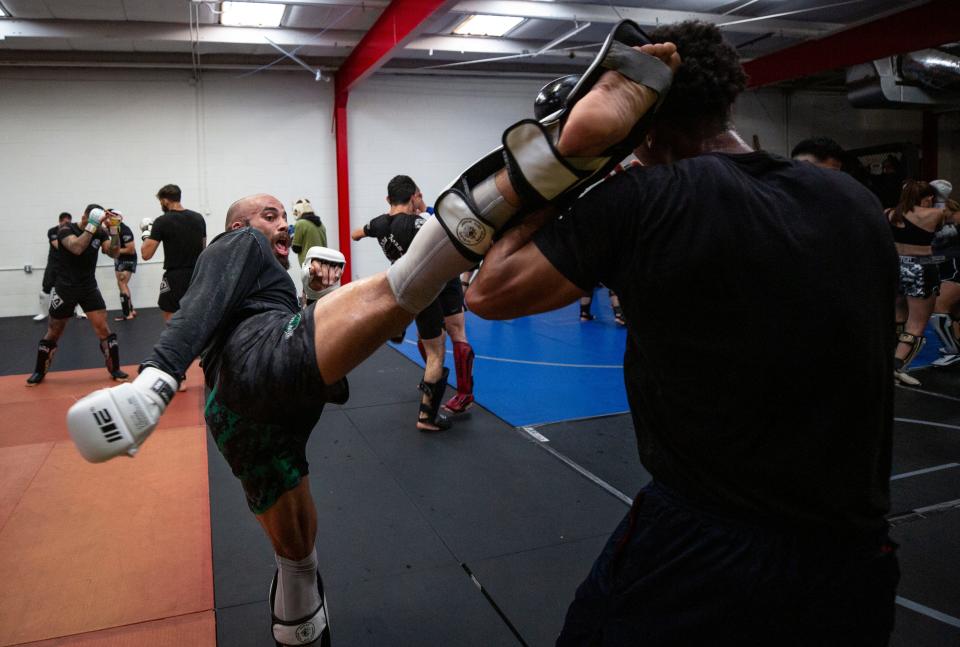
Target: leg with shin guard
(45, 351)
(900, 365)
(943, 326)
(124, 307)
(111, 355)
(463, 363)
(430, 411)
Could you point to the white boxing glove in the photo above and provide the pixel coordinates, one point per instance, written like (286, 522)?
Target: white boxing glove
(93, 220)
(324, 255)
(146, 226)
(115, 421)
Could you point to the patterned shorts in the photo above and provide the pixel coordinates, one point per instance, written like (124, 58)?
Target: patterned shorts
(266, 398)
(920, 276)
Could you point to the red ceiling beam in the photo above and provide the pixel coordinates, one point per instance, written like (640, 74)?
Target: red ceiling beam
(934, 23)
(398, 23)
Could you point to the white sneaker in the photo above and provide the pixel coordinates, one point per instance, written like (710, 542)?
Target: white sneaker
(79, 314)
(904, 378)
(40, 317)
(946, 360)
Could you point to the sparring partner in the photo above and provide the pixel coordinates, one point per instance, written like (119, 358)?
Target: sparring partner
(308, 231)
(455, 324)
(184, 235)
(50, 271)
(76, 285)
(946, 310)
(124, 266)
(395, 231)
(914, 223)
(259, 349)
(765, 520)
(822, 151)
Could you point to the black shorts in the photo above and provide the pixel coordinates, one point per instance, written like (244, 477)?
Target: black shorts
(451, 298)
(172, 288)
(448, 302)
(950, 269)
(64, 299)
(674, 575)
(265, 400)
(49, 277)
(125, 266)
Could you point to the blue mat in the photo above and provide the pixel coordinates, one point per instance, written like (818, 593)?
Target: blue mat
(553, 367)
(545, 368)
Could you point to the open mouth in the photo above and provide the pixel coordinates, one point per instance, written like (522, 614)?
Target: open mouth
(282, 246)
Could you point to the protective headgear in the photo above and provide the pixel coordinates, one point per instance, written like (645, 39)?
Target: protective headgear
(301, 207)
(553, 95)
(943, 189)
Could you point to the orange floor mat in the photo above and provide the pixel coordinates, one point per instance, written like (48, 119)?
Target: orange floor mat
(37, 414)
(194, 630)
(116, 553)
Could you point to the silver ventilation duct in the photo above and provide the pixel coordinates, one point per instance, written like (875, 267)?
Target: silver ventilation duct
(923, 79)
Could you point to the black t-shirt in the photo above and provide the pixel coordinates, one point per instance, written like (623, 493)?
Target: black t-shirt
(182, 234)
(53, 253)
(236, 277)
(394, 233)
(126, 237)
(78, 270)
(758, 296)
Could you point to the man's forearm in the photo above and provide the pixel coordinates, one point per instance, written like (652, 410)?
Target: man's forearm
(78, 244)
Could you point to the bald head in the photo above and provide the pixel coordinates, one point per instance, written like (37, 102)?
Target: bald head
(246, 208)
(265, 214)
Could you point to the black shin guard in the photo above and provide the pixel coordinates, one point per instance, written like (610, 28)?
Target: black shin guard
(434, 392)
(45, 352)
(125, 305)
(111, 355)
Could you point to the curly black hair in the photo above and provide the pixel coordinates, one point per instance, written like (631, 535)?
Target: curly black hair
(708, 81)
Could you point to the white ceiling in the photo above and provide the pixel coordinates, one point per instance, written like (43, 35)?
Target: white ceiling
(158, 33)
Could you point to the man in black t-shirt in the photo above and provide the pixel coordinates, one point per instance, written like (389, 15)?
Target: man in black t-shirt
(184, 235)
(76, 285)
(765, 520)
(395, 232)
(124, 266)
(50, 271)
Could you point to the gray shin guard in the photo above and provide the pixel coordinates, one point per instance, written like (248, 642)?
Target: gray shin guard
(916, 343)
(943, 326)
(420, 274)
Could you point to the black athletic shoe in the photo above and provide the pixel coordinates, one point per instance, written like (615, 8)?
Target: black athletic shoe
(35, 379)
(119, 376)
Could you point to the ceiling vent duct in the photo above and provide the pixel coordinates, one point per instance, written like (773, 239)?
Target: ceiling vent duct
(923, 79)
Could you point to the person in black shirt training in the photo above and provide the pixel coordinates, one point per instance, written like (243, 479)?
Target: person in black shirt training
(764, 523)
(50, 271)
(395, 231)
(76, 284)
(184, 235)
(125, 265)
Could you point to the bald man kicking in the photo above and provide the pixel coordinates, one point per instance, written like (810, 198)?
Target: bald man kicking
(271, 367)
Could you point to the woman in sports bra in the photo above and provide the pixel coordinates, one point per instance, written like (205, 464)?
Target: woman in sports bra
(914, 222)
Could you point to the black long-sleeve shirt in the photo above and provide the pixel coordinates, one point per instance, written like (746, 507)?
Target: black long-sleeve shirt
(237, 276)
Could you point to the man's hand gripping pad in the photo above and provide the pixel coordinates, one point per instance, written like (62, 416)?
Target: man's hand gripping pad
(472, 210)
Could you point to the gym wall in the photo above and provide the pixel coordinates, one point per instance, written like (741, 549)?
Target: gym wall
(70, 137)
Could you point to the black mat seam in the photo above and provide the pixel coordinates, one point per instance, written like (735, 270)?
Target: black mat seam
(496, 608)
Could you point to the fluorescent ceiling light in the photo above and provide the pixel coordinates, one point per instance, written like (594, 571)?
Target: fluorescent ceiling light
(3, 12)
(480, 25)
(251, 14)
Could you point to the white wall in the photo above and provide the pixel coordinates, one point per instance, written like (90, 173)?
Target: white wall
(70, 137)
(428, 128)
(114, 137)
